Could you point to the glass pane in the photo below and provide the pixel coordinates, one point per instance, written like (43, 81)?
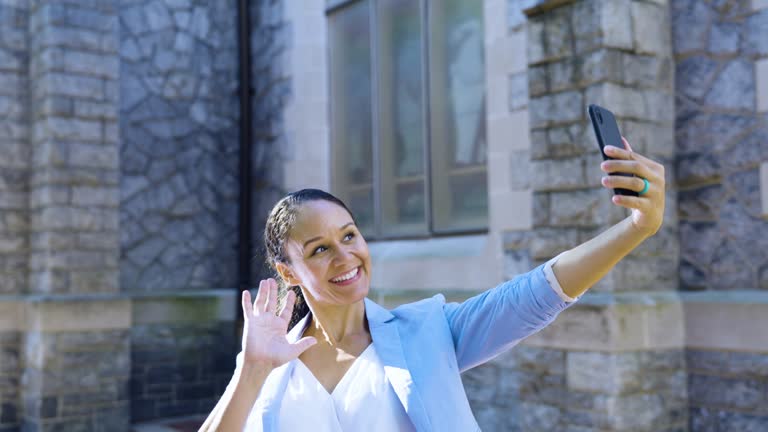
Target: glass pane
(352, 132)
(401, 118)
(457, 106)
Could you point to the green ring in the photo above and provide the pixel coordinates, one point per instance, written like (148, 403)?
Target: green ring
(645, 189)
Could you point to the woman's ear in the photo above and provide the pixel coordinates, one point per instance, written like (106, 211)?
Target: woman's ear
(286, 274)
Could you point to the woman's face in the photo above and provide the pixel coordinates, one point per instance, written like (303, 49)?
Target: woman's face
(328, 255)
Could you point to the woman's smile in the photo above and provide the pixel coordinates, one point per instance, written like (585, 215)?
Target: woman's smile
(347, 278)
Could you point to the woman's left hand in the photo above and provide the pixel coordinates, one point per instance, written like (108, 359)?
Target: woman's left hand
(647, 209)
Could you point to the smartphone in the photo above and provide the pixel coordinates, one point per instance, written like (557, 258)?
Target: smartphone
(607, 133)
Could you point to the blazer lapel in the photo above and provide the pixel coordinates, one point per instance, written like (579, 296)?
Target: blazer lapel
(386, 339)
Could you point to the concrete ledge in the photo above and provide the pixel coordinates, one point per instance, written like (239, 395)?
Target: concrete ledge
(616, 323)
(621, 322)
(727, 321)
(60, 313)
(50, 316)
(198, 306)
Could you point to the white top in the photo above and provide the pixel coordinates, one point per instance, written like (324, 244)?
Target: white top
(363, 400)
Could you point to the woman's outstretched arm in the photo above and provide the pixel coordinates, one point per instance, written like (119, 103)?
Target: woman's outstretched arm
(581, 267)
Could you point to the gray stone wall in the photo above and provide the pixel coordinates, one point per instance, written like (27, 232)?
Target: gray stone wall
(76, 381)
(728, 391)
(270, 43)
(73, 187)
(721, 140)
(179, 142)
(579, 55)
(179, 369)
(10, 372)
(14, 147)
(544, 389)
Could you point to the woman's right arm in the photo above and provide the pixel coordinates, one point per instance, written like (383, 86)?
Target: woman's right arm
(264, 349)
(232, 410)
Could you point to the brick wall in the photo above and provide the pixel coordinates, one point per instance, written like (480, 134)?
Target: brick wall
(179, 368)
(14, 165)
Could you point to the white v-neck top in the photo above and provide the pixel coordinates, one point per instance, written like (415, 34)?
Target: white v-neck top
(363, 400)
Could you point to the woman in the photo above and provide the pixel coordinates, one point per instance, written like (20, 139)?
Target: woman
(351, 365)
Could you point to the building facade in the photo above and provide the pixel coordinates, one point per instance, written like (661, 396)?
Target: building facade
(458, 133)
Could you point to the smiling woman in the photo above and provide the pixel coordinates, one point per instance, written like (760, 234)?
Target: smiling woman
(349, 364)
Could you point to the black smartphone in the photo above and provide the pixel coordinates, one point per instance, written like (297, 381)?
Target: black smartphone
(607, 133)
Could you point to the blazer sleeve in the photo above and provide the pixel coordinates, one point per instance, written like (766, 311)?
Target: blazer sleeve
(488, 324)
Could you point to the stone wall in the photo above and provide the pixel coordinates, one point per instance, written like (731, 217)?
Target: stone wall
(14, 165)
(179, 369)
(272, 87)
(178, 116)
(77, 381)
(10, 371)
(727, 391)
(721, 140)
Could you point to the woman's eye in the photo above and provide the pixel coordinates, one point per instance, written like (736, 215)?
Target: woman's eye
(349, 236)
(319, 249)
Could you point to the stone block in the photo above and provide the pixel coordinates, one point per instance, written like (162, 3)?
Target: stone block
(742, 394)
(650, 24)
(64, 84)
(755, 33)
(555, 109)
(614, 17)
(557, 174)
(694, 76)
(557, 28)
(690, 22)
(724, 38)
(93, 156)
(764, 188)
(761, 84)
(622, 101)
(734, 87)
(518, 91)
(583, 208)
(536, 43)
(95, 196)
(601, 65)
(538, 80)
(549, 242)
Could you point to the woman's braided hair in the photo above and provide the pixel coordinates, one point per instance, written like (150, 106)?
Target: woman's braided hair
(281, 220)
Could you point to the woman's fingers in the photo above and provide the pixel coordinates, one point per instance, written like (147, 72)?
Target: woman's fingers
(622, 182)
(630, 202)
(272, 299)
(290, 300)
(626, 166)
(258, 304)
(246, 303)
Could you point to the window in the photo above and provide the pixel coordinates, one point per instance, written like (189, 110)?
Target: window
(408, 120)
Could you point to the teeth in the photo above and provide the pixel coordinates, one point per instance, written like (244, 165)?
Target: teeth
(347, 276)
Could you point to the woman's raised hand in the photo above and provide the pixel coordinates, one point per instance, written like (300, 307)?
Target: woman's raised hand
(264, 331)
(647, 209)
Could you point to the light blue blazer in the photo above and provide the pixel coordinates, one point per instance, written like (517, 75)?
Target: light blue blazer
(425, 345)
